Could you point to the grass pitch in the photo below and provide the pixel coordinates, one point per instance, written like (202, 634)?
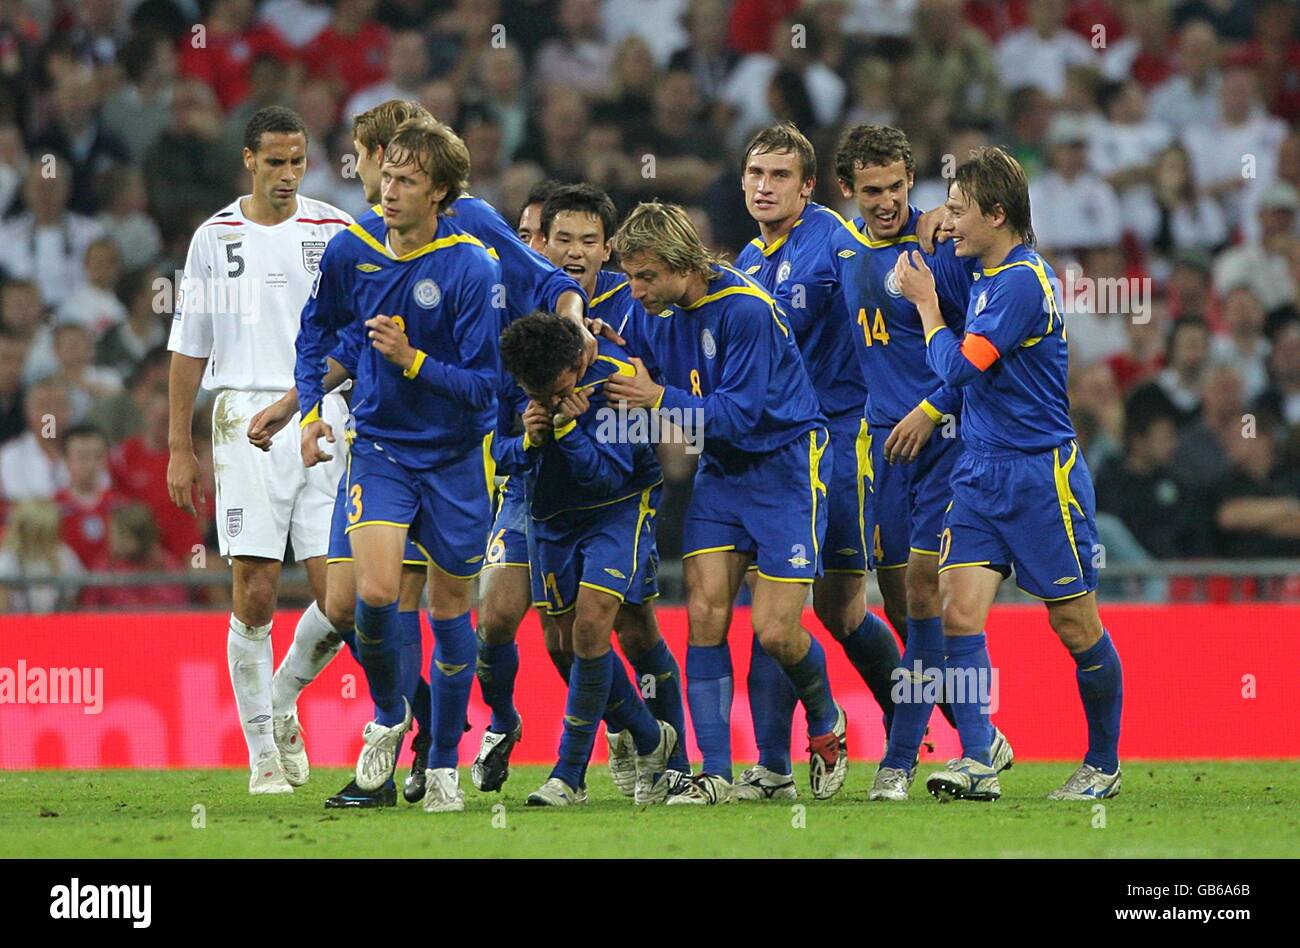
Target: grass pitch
(1184, 809)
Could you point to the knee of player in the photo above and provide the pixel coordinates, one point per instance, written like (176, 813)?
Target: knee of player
(960, 618)
(708, 619)
(923, 596)
(636, 630)
(340, 612)
(1076, 630)
(376, 592)
(840, 619)
(494, 629)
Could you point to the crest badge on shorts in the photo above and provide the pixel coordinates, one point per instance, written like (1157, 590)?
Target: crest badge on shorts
(234, 521)
(312, 251)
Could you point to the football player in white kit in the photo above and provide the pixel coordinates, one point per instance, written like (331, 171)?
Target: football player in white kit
(250, 269)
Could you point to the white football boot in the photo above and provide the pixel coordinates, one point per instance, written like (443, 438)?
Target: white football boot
(293, 752)
(828, 759)
(1000, 752)
(622, 761)
(703, 790)
(652, 768)
(891, 783)
(964, 779)
(268, 775)
(555, 792)
(759, 783)
(1088, 783)
(442, 792)
(379, 754)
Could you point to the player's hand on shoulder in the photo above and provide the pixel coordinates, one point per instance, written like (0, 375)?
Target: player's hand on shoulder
(909, 436)
(914, 277)
(312, 453)
(389, 338)
(574, 405)
(639, 390)
(264, 425)
(183, 479)
(598, 327)
(929, 229)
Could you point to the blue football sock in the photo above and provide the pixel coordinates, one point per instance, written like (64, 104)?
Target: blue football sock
(708, 691)
(589, 685)
(412, 666)
(873, 650)
(626, 710)
(497, 667)
(808, 675)
(771, 705)
(665, 700)
(451, 675)
(916, 697)
(349, 637)
(379, 642)
(1101, 686)
(967, 669)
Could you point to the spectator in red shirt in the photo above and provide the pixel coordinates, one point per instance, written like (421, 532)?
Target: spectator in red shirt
(221, 52)
(752, 22)
(352, 50)
(133, 548)
(88, 501)
(139, 470)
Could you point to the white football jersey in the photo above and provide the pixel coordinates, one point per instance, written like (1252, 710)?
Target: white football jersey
(240, 302)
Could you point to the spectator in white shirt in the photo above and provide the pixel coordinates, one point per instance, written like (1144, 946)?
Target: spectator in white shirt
(1184, 219)
(1237, 152)
(1264, 265)
(658, 22)
(1123, 149)
(31, 465)
(1039, 55)
(87, 383)
(297, 21)
(580, 57)
(1190, 98)
(1243, 346)
(47, 243)
(1073, 209)
(94, 305)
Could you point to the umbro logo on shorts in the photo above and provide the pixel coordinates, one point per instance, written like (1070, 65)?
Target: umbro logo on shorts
(1064, 580)
(615, 573)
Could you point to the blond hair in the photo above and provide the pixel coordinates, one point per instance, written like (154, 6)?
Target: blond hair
(375, 127)
(437, 151)
(667, 232)
(32, 533)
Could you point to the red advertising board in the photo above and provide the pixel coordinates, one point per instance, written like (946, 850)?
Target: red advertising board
(1216, 681)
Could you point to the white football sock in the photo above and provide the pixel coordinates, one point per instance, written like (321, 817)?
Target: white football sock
(248, 653)
(315, 643)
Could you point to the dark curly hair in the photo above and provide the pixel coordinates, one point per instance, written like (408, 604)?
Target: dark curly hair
(870, 145)
(582, 199)
(273, 118)
(537, 348)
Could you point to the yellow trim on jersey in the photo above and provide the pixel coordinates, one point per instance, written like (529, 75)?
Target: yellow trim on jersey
(846, 572)
(488, 566)
(930, 411)
(376, 523)
(768, 249)
(603, 503)
(529, 444)
(921, 552)
(644, 512)
(959, 565)
(880, 566)
(1043, 282)
(606, 295)
(313, 415)
(783, 579)
(418, 361)
(710, 549)
(1065, 497)
(561, 432)
(442, 243)
(729, 291)
(931, 332)
(623, 368)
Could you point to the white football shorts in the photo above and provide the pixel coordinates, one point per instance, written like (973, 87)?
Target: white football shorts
(265, 498)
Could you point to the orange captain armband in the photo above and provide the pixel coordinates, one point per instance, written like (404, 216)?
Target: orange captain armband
(979, 351)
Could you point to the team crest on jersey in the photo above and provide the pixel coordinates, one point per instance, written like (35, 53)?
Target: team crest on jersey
(427, 294)
(981, 302)
(891, 285)
(234, 521)
(312, 251)
(709, 344)
(783, 271)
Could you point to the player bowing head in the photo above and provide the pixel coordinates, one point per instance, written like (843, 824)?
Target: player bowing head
(371, 131)
(663, 257)
(875, 168)
(577, 224)
(988, 207)
(547, 355)
(778, 175)
(275, 152)
(426, 167)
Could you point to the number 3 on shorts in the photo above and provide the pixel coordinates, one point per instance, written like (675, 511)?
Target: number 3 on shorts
(354, 495)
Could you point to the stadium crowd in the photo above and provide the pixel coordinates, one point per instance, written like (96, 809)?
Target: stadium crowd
(1162, 139)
